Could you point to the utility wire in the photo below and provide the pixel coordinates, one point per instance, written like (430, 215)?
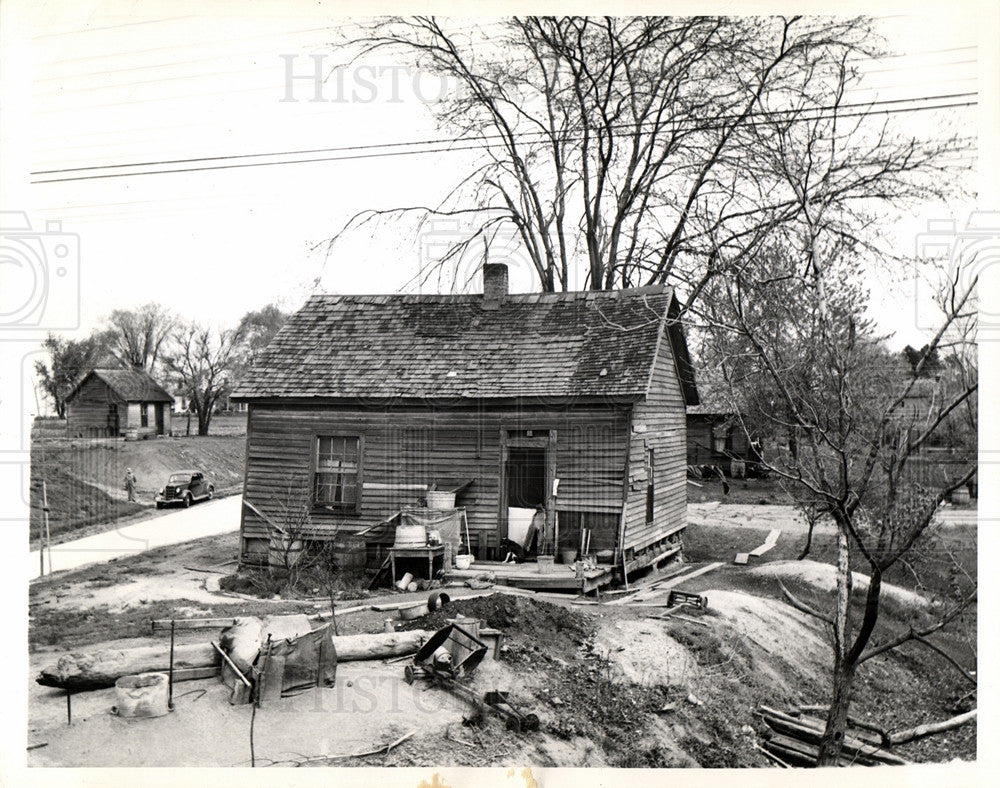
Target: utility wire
(414, 147)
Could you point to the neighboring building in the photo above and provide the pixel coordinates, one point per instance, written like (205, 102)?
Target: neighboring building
(118, 402)
(572, 402)
(716, 437)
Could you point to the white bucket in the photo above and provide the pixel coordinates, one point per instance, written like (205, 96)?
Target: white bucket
(463, 561)
(144, 695)
(438, 499)
(410, 536)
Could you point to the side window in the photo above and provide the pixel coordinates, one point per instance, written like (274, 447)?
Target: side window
(338, 471)
(650, 485)
(144, 415)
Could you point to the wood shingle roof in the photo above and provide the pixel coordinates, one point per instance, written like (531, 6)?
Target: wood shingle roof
(430, 346)
(130, 385)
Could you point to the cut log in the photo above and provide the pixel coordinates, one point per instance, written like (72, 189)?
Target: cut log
(901, 737)
(352, 648)
(99, 669)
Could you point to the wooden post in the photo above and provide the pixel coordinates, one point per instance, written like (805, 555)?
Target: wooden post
(170, 675)
(69, 708)
(45, 536)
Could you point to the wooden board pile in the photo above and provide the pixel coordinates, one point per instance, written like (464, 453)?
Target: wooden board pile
(795, 735)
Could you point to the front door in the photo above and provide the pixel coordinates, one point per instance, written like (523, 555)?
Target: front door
(113, 426)
(159, 417)
(528, 468)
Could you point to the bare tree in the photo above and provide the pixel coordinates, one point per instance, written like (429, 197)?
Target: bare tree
(626, 151)
(139, 335)
(797, 353)
(69, 360)
(202, 360)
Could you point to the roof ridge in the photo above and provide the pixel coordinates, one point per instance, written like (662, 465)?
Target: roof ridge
(568, 295)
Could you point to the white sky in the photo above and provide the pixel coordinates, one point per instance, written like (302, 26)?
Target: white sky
(100, 83)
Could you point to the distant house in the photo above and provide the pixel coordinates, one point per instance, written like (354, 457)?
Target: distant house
(568, 402)
(118, 402)
(716, 437)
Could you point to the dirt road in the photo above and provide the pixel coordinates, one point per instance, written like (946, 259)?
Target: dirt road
(163, 528)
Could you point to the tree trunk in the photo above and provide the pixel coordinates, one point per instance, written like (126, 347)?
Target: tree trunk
(203, 422)
(836, 719)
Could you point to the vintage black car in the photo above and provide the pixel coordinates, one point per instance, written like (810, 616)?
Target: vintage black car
(184, 488)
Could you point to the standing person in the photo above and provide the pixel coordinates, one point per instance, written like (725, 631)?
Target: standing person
(130, 484)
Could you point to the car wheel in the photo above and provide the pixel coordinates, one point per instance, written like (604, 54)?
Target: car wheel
(159, 505)
(211, 493)
(187, 500)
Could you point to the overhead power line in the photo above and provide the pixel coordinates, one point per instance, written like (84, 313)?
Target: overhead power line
(420, 147)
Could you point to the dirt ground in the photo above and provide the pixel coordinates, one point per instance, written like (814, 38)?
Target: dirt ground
(613, 685)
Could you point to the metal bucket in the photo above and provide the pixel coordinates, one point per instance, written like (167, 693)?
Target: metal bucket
(410, 536)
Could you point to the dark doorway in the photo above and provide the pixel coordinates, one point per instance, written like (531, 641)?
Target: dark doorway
(526, 477)
(113, 425)
(159, 418)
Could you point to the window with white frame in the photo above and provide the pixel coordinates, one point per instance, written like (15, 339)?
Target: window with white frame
(336, 480)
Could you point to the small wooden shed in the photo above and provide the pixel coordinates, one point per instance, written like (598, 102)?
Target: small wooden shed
(716, 437)
(118, 403)
(571, 403)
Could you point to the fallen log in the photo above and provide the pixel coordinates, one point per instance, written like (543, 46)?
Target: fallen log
(901, 737)
(380, 646)
(79, 671)
(98, 669)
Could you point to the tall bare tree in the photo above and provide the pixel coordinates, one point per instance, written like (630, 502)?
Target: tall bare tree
(626, 151)
(139, 335)
(202, 360)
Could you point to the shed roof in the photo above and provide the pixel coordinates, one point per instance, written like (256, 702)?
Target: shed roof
(131, 385)
(453, 346)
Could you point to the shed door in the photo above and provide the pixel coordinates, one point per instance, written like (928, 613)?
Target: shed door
(159, 417)
(113, 426)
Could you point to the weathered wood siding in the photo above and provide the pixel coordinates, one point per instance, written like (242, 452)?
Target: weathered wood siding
(87, 414)
(405, 445)
(658, 422)
(700, 441)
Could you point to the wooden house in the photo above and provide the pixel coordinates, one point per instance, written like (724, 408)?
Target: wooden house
(571, 403)
(118, 403)
(716, 437)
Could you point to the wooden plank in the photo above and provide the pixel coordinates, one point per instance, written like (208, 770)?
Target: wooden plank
(741, 558)
(163, 624)
(193, 674)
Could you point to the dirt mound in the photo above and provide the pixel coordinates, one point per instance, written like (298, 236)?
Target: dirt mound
(641, 652)
(525, 622)
(823, 577)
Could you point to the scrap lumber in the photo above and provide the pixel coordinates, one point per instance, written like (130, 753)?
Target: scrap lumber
(811, 733)
(664, 584)
(769, 542)
(861, 725)
(901, 737)
(100, 669)
(163, 624)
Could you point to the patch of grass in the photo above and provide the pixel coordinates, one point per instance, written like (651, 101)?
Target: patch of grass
(309, 583)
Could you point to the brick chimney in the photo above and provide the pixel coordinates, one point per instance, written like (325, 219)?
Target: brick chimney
(494, 285)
